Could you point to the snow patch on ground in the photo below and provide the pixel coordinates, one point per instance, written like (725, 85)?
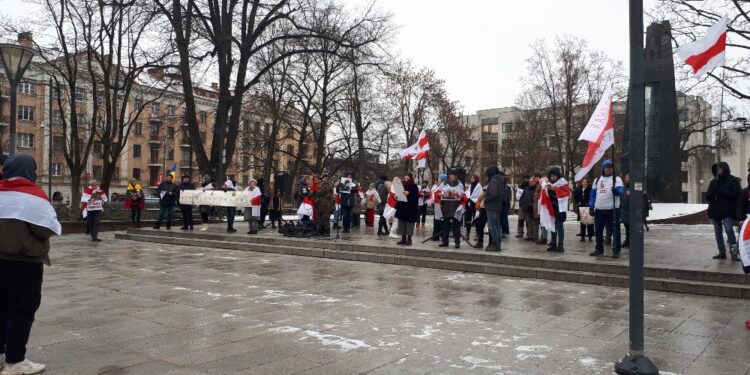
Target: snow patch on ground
(479, 362)
(343, 343)
(285, 329)
(532, 351)
(669, 210)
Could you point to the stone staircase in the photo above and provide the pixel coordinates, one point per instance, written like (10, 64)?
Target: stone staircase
(733, 285)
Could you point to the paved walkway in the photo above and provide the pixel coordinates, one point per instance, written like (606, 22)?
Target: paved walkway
(689, 247)
(122, 307)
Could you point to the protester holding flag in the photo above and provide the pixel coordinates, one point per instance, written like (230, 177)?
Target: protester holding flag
(407, 211)
(604, 200)
(27, 221)
(542, 240)
(723, 192)
(473, 191)
(94, 199)
(371, 201)
(497, 193)
(135, 202)
(453, 189)
(253, 211)
(437, 222)
(168, 192)
(559, 194)
(480, 221)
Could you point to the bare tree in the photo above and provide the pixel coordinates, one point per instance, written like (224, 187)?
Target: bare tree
(457, 144)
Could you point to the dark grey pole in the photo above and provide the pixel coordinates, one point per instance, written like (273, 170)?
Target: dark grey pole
(49, 157)
(13, 115)
(635, 362)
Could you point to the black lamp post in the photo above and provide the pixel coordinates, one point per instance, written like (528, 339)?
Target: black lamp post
(16, 59)
(635, 362)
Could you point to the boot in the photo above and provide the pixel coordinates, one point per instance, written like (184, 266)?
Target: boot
(458, 245)
(596, 253)
(479, 245)
(408, 241)
(444, 243)
(402, 242)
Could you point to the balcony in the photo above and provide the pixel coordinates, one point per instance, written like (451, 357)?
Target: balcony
(155, 161)
(185, 164)
(155, 117)
(154, 138)
(185, 142)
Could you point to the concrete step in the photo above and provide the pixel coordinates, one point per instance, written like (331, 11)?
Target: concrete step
(471, 255)
(404, 256)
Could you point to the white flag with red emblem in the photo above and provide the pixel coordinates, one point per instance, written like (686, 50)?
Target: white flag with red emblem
(417, 151)
(707, 53)
(744, 244)
(599, 133)
(306, 208)
(23, 200)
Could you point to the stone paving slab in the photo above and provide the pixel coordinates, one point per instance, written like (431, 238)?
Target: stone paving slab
(183, 310)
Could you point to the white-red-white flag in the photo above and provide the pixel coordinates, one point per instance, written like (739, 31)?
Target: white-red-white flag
(707, 53)
(306, 208)
(744, 245)
(390, 206)
(599, 133)
(23, 200)
(546, 209)
(417, 151)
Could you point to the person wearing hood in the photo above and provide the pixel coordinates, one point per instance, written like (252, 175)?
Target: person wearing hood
(135, 202)
(186, 209)
(382, 190)
(723, 192)
(437, 219)
(497, 193)
(347, 192)
(526, 205)
(27, 221)
(452, 189)
(407, 212)
(604, 200)
(559, 194)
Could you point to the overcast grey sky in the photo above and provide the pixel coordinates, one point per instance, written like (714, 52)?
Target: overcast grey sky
(479, 47)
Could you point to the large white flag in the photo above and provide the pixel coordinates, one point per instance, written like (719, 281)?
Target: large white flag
(707, 53)
(417, 151)
(599, 133)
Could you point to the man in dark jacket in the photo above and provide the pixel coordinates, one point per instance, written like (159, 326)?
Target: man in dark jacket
(261, 183)
(723, 192)
(347, 191)
(526, 205)
(24, 251)
(186, 209)
(521, 214)
(497, 193)
(324, 205)
(383, 195)
(168, 193)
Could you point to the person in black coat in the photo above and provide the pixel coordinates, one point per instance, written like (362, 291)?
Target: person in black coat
(582, 195)
(723, 192)
(186, 209)
(407, 212)
(168, 193)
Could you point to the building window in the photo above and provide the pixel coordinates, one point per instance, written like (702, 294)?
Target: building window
(98, 147)
(80, 94)
(154, 129)
(27, 88)
(25, 113)
(81, 118)
(98, 122)
(489, 129)
(490, 121)
(507, 127)
(170, 133)
(138, 104)
(116, 173)
(138, 128)
(203, 137)
(97, 172)
(289, 132)
(154, 109)
(170, 154)
(57, 143)
(203, 116)
(290, 149)
(57, 169)
(56, 117)
(170, 110)
(492, 147)
(25, 140)
(137, 173)
(684, 176)
(137, 151)
(185, 155)
(60, 93)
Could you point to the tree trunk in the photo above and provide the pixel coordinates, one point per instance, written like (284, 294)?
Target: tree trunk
(75, 190)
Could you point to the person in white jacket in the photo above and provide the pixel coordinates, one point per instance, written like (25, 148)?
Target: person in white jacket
(252, 213)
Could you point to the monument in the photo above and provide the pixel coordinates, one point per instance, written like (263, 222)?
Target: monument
(662, 140)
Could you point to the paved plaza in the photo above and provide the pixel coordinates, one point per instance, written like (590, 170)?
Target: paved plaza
(124, 307)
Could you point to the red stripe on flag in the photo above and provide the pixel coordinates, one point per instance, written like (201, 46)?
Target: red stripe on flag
(593, 146)
(23, 185)
(698, 61)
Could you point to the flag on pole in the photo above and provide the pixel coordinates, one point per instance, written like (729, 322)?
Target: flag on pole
(174, 172)
(599, 133)
(417, 151)
(707, 53)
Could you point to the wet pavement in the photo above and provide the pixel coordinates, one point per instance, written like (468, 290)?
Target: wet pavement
(123, 307)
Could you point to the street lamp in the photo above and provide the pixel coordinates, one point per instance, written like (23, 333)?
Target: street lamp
(16, 59)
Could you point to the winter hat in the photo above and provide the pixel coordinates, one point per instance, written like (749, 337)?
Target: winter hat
(443, 177)
(555, 171)
(20, 165)
(607, 163)
(491, 171)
